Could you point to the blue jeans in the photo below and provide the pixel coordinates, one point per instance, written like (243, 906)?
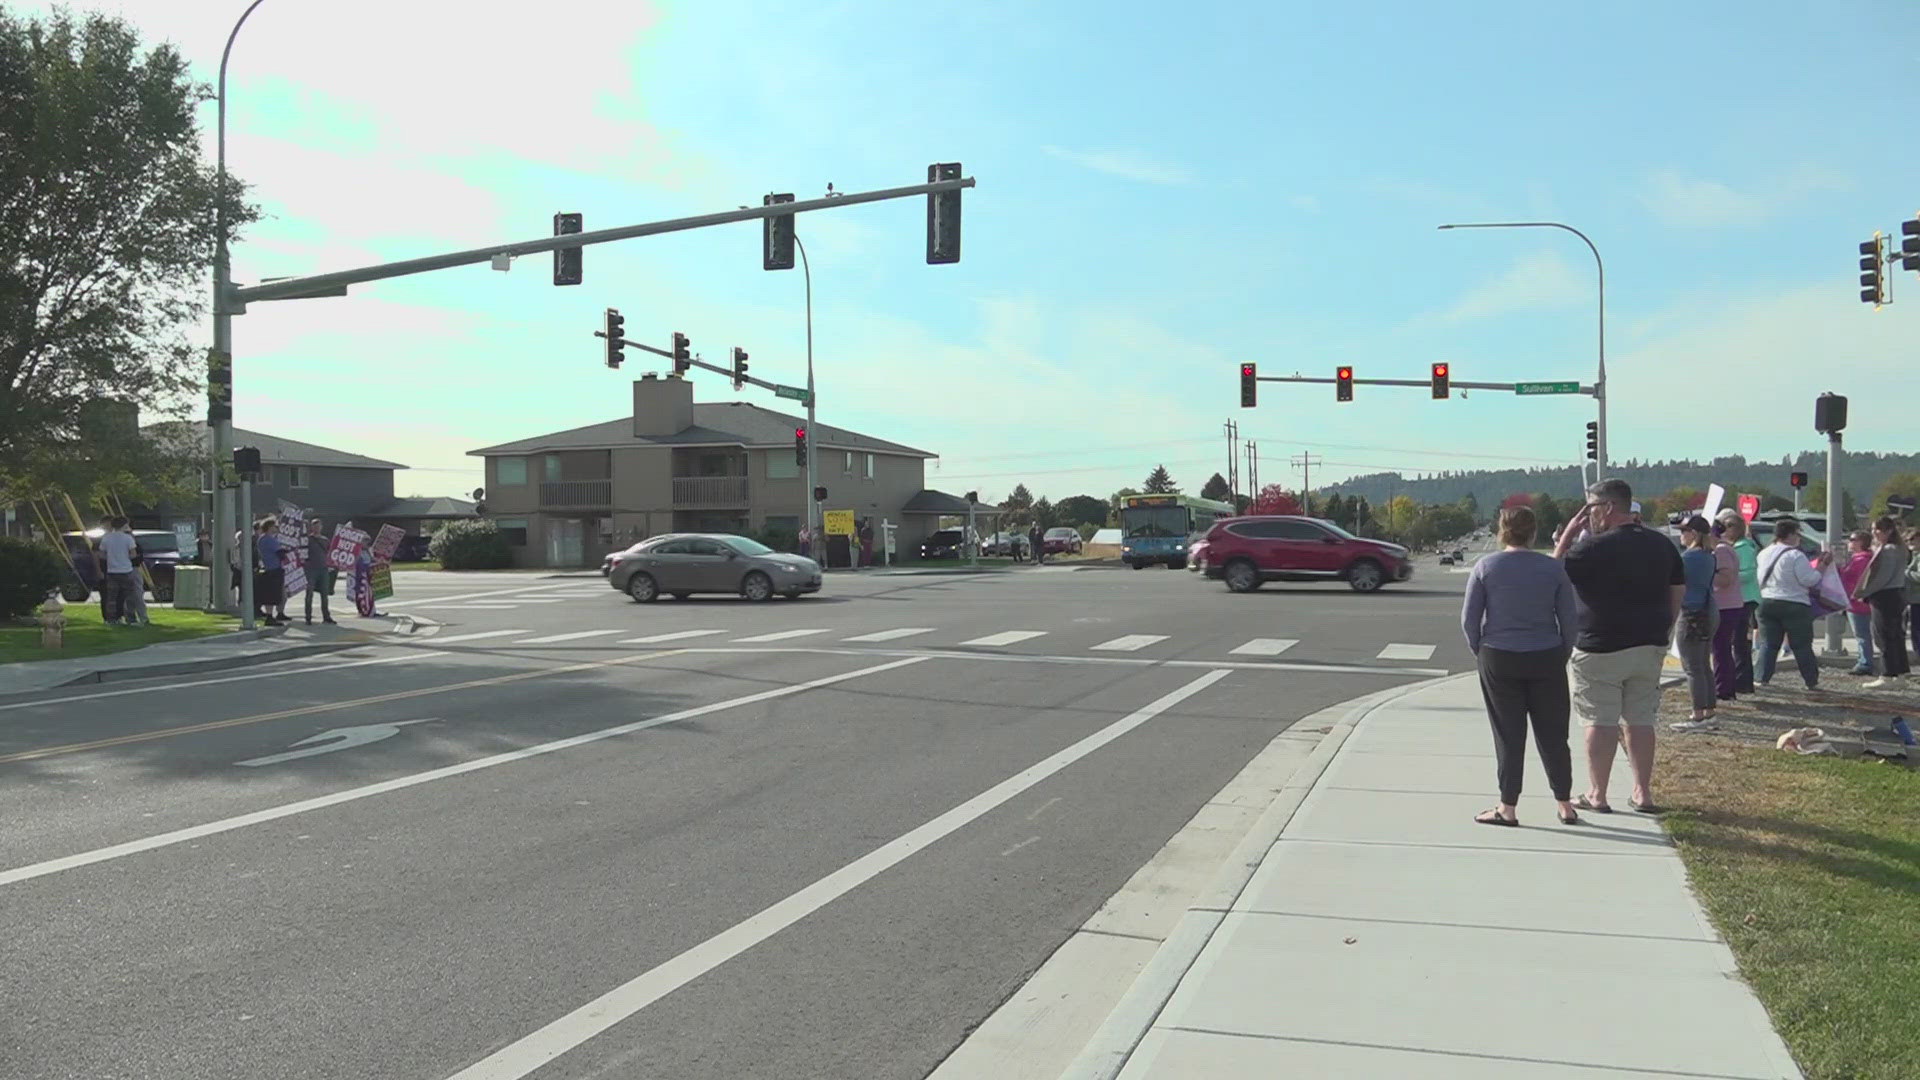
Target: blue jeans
(1793, 622)
(1863, 634)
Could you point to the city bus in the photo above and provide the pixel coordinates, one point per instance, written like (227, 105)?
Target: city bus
(1159, 528)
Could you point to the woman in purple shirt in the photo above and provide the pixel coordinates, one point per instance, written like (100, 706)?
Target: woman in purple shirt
(1520, 622)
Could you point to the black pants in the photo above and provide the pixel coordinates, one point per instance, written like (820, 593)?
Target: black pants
(1519, 686)
(1888, 640)
(1743, 651)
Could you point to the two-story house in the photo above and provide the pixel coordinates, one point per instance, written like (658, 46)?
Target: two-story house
(567, 498)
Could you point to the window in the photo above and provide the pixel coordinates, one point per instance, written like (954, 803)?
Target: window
(510, 471)
(869, 472)
(553, 468)
(848, 467)
(1256, 530)
(296, 476)
(1300, 530)
(512, 530)
(710, 548)
(781, 466)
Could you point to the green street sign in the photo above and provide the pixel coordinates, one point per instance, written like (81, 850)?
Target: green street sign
(1546, 388)
(793, 392)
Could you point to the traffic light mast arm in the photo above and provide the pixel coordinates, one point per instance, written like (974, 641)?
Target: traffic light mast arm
(334, 284)
(694, 362)
(1421, 383)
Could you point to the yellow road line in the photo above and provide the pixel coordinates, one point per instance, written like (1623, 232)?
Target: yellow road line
(332, 706)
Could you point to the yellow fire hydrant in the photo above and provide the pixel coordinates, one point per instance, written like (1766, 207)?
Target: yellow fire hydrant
(53, 623)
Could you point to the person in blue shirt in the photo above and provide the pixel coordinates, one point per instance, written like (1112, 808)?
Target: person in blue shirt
(267, 598)
(1699, 621)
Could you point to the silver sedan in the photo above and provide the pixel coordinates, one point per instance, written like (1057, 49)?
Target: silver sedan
(686, 563)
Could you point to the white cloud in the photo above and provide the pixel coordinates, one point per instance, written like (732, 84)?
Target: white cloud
(1693, 202)
(1126, 164)
(1544, 279)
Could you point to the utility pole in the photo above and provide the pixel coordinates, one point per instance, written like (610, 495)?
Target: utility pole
(1306, 462)
(1233, 465)
(1253, 469)
(1830, 418)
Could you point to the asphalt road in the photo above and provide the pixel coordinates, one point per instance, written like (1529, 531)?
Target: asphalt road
(696, 855)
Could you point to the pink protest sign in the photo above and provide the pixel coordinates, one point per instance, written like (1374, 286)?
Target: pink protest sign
(345, 548)
(387, 542)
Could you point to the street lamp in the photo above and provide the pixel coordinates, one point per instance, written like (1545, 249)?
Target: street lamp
(1600, 381)
(813, 441)
(222, 423)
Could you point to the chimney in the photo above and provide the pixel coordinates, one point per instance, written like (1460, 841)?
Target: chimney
(661, 406)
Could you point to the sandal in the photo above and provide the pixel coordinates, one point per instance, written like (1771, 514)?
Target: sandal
(1494, 817)
(1645, 807)
(1585, 803)
(1569, 819)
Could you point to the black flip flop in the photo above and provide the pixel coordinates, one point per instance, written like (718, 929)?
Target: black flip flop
(1482, 819)
(1570, 819)
(1585, 803)
(1645, 808)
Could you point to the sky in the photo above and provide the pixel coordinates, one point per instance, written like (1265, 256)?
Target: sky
(1162, 194)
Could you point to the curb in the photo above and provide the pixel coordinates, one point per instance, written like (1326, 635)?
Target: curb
(192, 667)
(1108, 1052)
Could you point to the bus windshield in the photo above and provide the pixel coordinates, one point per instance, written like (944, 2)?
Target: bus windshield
(1143, 522)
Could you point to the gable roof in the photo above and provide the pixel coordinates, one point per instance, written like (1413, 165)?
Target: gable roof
(273, 449)
(719, 423)
(939, 502)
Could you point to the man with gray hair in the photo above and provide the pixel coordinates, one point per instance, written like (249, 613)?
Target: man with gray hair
(1628, 582)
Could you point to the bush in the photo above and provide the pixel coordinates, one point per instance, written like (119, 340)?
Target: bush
(1087, 529)
(28, 572)
(470, 544)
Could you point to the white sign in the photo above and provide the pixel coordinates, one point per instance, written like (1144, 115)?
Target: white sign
(347, 738)
(1715, 496)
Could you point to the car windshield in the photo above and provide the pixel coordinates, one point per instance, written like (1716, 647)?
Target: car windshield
(1153, 521)
(945, 536)
(748, 547)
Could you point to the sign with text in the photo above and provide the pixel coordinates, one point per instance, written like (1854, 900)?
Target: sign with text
(1715, 496)
(345, 548)
(839, 522)
(1546, 388)
(382, 579)
(387, 542)
(293, 547)
(1749, 506)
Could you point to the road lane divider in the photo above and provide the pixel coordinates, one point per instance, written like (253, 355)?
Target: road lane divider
(529, 1053)
(399, 783)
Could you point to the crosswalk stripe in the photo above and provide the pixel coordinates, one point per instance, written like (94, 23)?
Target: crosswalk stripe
(1398, 651)
(892, 635)
(780, 635)
(473, 637)
(475, 607)
(575, 636)
(677, 635)
(1007, 637)
(1266, 646)
(1129, 643)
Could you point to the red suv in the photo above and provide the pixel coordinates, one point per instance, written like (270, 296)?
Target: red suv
(1247, 551)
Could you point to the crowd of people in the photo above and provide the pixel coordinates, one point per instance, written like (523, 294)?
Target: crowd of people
(272, 558)
(1587, 629)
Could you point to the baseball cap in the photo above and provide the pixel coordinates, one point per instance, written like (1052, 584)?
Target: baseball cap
(1696, 524)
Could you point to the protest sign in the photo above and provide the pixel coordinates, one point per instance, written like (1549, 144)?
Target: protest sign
(293, 546)
(382, 579)
(387, 543)
(346, 547)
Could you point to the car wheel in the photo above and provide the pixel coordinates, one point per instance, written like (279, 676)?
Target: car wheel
(1138, 565)
(643, 588)
(681, 595)
(1366, 576)
(1176, 564)
(757, 586)
(1242, 576)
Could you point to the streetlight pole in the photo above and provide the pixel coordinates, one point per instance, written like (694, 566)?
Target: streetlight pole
(1600, 380)
(819, 542)
(220, 371)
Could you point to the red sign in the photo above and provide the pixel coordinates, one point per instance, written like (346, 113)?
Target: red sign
(1749, 506)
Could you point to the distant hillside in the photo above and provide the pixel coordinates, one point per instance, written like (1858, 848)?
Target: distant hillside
(1863, 475)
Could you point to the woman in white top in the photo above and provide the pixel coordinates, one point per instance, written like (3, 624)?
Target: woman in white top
(1787, 580)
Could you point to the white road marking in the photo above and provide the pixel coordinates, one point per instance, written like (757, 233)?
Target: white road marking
(274, 813)
(892, 635)
(1008, 637)
(1021, 844)
(1265, 646)
(677, 635)
(574, 636)
(1043, 808)
(480, 607)
(347, 738)
(473, 637)
(780, 635)
(1397, 651)
(523, 1056)
(1129, 643)
(1042, 658)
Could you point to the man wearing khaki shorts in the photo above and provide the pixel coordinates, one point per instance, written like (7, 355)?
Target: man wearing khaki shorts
(1628, 582)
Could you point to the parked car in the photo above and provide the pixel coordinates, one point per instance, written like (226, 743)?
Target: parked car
(1249, 551)
(1447, 559)
(1002, 544)
(1061, 541)
(687, 563)
(944, 544)
(159, 552)
(413, 549)
(1197, 552)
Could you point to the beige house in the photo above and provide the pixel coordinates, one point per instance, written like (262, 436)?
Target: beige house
(568, 498)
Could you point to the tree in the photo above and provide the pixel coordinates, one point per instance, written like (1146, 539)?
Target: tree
(470, 544)
(1113, 504)
(1445, 521)
(1273, 499)
(1814, 503)
(1363, 523)
(1081, 510)
(1334, 509)
(1906, 483)
(1160, 483)
(1471, 507)
(1216, 488)
(1401, 512)
(1019, 499)
(1547, 514)
(1044, 514)
(106, 222)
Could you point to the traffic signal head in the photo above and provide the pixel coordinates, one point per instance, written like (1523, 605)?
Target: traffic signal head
(682, 353)
(739, 367)
(1249, 386)
(1442, 382)
(1343, 384)
(616, 327)
(1798, 479)
(943, 216)
(1910, 244)
(566, 261)
(1593, 440)
(1873, 270)
(800, 446)
(776, 236)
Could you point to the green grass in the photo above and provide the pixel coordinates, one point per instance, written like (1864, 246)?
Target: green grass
(88, 635)
(428, 564)
(1810, 868)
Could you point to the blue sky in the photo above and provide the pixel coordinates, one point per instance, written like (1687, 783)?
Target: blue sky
(1163, 193)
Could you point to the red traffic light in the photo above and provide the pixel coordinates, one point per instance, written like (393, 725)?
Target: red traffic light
(1346, 373)
(799, 433)
(1440, 370)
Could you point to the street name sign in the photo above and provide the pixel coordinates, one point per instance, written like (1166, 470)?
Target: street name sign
(1546, 388)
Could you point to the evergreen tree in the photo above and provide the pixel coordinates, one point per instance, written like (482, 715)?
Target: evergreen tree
(1159, 482)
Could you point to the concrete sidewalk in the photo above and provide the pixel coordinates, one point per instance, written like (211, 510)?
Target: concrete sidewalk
(1387, 934)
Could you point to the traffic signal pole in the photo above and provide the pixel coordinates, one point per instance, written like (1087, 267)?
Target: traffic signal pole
(1423, 383)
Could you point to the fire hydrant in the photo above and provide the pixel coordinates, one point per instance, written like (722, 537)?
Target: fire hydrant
(53, 623)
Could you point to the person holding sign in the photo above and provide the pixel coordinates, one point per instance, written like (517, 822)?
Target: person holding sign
(319, 574)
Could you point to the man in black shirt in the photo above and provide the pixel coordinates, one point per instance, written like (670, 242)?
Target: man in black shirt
(1628, 582)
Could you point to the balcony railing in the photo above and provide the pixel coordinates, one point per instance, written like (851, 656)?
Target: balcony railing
(582, 493)
(709, 491)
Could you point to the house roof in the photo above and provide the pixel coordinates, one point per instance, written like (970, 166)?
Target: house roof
(420, 507)
(273, 449)
(939, 502)
(719, 423)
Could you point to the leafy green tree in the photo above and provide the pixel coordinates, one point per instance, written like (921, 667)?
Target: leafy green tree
(1906, 484)
(1216, 488)
(1113, 504)
(1548, 515)
(1044, 514)
(28, 572)
(1471, 507)
(1081, 510)
(1159, 482)
(1333, 508)
(106, 222)
(470, 544)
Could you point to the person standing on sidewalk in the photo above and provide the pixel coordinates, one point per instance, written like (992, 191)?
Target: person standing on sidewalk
(1699, 621)
(1520, 621)
(1885, 590)
(319, 574)
(270, 577)
(1729, 601)
(118, 577)
(1852, 574)
(1747, 554)
(1787, 581)
(1037, 540)
(1628, 581)
(134, 603)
